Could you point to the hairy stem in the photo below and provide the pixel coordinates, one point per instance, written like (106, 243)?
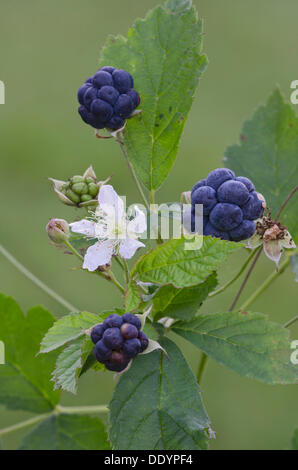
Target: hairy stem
(201, 367)
(290, 322)
(286, 201)
(265, 284)
(133, 173)
(257, 254)
(58, 410)
(37, 281)
(228, 284)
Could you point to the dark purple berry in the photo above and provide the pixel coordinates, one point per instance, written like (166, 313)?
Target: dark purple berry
(81, 93)
(118, 366)
(218, 177)
(233, 192)
(97, 332)
(129, 331)
(113, 321)
(135, 97)
(122, 80)
(247, 183)
(115, 123)
(213, 232)
(108, 69)
(102, 110)
(124, 106)
(245, 230)
(132, 319)
(143, 340)
(102, 78)
(89, 96)
(225, 217)
(108, 94)
(204, 195)
(102, 352)
(253, 208)
(199, 184)
(89, 80)
(112, 338)
(131, 347)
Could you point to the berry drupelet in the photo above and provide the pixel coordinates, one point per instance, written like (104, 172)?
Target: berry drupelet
(118, 340)
(108, 98)
(230, 205)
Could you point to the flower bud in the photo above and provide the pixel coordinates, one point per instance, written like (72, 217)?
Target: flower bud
(79, 191)
(58, 230)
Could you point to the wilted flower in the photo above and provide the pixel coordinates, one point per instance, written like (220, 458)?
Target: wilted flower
(58, 230)
(273, 236)
(79, 191)
(115, 232)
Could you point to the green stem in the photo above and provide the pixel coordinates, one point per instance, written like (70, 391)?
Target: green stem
(73, 250)
(115, 281)
(133, 173)
(201, 368)
(37, 281)
(58, 410)
(290, 322)
(228, 284)
(126, 269)
(265, 284)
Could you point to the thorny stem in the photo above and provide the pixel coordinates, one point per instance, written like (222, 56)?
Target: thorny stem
(228, 284)
(290, 322)
(126, 269)
(133, 173)
(286, 201)
(37, 281)
(58, 410)
(257, 253)
(109, 276)
(265, 284)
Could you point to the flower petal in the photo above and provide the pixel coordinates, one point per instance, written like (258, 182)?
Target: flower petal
(273, 250)
(98, 254)
(110, 202)
(138, 224)
(128, 247)
(85, 227)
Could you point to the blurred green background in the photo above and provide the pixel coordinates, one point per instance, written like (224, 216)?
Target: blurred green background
(47, 49)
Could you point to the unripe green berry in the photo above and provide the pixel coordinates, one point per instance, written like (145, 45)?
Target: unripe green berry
(86, 198)
(93, 189)
(80, 188)
(73, 196)
(77, 179)
(89, 179)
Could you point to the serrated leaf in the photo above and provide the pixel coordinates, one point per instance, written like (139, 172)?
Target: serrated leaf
(248, 344)
(24, 378)
(295, 440)
(67, 432)
(268, 155)
(294, 266)
(182, 303)
(68, 328)
(157, 405)
(70, 363)
(166, 72)
(132, 297)
(172, 263)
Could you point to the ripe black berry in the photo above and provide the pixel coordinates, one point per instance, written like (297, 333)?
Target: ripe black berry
(107, 98)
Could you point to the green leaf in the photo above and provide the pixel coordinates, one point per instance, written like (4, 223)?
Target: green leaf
(132, 297)
(67, 432)
(68, 328)
(25, 379)
(163, 53)
(295, 440)
(172, 263)
(70, 363)
(268, 155)
(294, 266)
(182, 303)
(248, 344)
(157, 405)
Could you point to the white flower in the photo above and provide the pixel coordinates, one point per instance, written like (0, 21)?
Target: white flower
(274, 238)
(115, 232)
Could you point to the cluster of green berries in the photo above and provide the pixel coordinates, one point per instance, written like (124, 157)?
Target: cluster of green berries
(80, 189)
